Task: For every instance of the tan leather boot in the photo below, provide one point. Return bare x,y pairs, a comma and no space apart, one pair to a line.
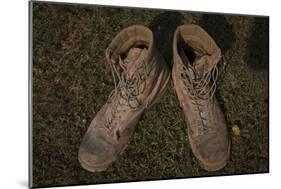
195,58
143,76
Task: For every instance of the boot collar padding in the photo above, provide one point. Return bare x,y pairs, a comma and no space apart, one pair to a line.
129,37
197,39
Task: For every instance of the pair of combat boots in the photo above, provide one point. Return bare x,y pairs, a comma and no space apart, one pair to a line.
141,77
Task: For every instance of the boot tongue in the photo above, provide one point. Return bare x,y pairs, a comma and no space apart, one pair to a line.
134,58
202,65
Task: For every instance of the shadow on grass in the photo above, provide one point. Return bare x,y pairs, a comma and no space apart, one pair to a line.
163,26
257,55
219,29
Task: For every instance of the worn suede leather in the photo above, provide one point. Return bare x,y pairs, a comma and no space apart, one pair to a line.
145,77
205,121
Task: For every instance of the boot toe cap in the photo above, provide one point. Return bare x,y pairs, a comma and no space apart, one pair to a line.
95,153
213,156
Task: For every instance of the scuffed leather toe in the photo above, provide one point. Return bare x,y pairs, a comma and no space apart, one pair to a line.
213,155
95,153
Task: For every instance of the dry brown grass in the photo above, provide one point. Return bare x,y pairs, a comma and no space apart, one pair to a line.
70,84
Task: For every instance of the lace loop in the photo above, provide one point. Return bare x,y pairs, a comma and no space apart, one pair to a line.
199,88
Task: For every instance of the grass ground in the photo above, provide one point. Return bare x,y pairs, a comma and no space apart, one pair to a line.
70,84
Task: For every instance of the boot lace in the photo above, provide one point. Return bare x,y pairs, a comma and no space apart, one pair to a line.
201,89
128,88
